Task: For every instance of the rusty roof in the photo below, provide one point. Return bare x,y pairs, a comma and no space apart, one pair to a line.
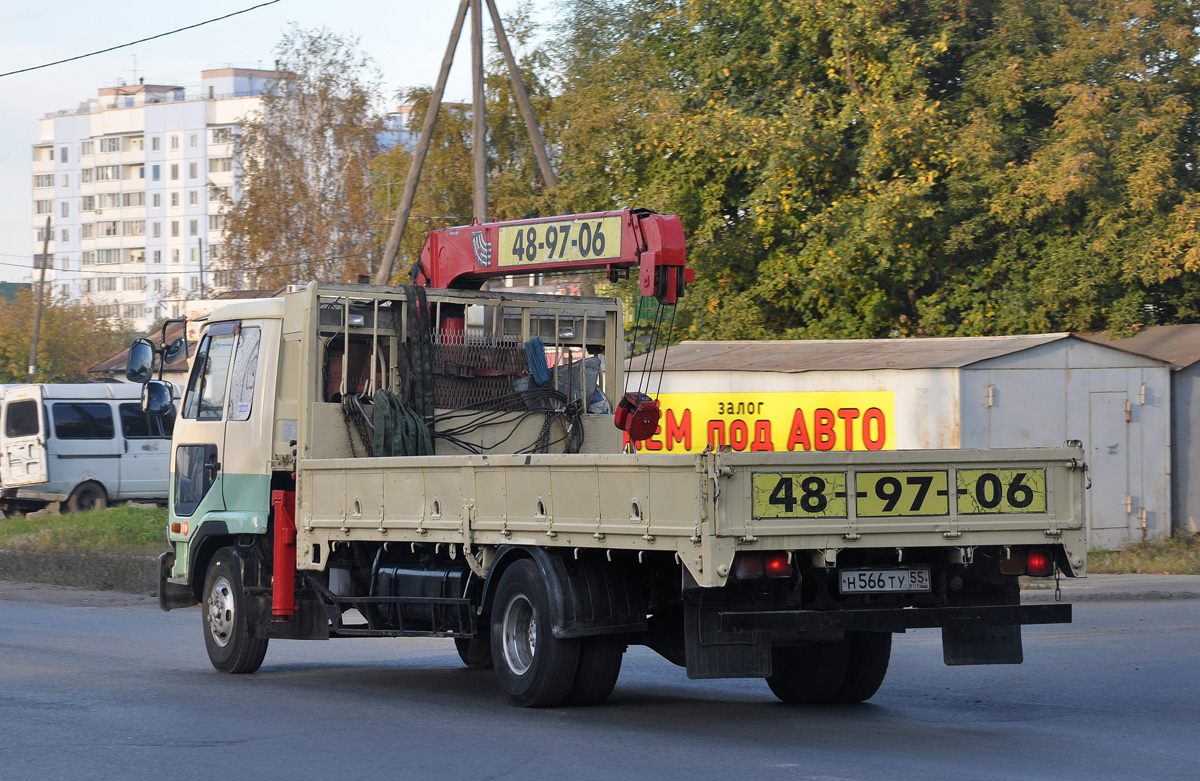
844,354
1178,345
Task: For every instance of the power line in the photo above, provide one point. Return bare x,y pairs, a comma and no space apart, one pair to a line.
133,43
98,268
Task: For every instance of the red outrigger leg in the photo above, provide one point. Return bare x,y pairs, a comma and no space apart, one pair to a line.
283,591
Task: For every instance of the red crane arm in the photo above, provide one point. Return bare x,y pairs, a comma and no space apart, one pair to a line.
466,256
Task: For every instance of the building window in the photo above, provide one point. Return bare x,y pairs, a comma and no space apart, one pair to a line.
89,203
157,285
88,230
87,148
62,155
107,228
135,283
43,207
192,140
157,201
66,209
216,222
174,171
134,199
175,285
108,173
42,233
193,283
193,227
133,228
106,284
192,170
222,135
43,180
88,259
157,229
217,165
155,144
87,176
194,254
66,181
154,173
107,256
174,256
174,142
193,198
158,256
220,193
66,236
174,199
174,228
110,145
109,200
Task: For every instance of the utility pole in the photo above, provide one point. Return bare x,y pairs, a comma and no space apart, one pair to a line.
479,127
479,112
200,255
37,314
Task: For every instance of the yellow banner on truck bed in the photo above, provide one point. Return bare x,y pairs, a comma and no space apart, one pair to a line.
832,420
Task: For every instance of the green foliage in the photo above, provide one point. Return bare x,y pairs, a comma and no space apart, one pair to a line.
72,338
121,529
866,168
1179,555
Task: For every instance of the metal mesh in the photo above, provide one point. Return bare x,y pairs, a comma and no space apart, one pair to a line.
472,373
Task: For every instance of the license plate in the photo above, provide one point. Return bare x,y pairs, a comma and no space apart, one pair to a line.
877,581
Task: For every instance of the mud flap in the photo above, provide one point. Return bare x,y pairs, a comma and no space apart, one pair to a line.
712,653
963,645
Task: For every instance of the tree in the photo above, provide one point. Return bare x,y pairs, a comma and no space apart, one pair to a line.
73,338
306,179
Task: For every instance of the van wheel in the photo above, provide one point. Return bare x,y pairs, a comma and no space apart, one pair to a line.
87,496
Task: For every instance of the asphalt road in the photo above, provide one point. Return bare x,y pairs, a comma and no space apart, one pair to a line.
105,686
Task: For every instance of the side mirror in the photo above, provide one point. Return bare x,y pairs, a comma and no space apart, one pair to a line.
141,362
156,398
174,349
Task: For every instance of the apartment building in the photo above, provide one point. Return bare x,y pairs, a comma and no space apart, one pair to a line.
131,182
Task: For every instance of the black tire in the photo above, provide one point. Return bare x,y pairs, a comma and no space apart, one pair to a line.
87,496
475,653
223,613
533,668
808,674
599,667
866,665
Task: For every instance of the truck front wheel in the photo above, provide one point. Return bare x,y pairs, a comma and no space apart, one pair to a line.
226,632
535,669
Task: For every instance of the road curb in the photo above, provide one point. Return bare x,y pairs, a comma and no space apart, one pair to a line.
94,571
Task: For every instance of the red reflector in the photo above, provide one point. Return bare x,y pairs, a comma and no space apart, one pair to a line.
777,565
1040,563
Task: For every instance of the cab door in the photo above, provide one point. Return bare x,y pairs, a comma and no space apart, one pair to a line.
24,449
196,461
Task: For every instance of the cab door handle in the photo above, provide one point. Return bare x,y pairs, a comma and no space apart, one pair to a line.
212,466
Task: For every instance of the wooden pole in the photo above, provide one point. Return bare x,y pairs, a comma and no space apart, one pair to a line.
414,172
37,314
531,123
479,113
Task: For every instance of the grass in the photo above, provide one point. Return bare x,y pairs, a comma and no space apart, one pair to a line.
121,530
142,532
1179,555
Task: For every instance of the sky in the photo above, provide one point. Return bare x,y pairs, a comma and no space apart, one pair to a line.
406,38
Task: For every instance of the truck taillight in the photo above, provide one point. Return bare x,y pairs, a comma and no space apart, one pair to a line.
776,565
1039,563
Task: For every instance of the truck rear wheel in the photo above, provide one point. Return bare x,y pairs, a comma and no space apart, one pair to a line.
809,674
87,496
475,653
866,665
534,669
599,667
226,631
